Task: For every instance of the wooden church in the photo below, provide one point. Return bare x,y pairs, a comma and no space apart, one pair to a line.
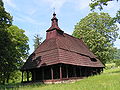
61,57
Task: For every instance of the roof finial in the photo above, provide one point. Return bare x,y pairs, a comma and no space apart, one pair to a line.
54,25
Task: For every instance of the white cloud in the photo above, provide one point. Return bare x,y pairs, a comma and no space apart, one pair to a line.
58,4
26,19
82,4
31,11
110,5
9,3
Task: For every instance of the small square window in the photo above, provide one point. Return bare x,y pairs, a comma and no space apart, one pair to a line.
93,59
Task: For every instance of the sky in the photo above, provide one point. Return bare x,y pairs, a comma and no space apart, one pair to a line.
34,16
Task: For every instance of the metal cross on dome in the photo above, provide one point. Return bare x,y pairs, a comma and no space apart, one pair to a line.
54,9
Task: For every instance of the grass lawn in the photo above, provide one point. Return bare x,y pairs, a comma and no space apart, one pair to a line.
109,80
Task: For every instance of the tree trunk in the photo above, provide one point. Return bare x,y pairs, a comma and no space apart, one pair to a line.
3,78
3,82
8,78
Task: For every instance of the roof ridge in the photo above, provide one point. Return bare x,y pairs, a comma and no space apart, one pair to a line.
72,36
76,52
46,50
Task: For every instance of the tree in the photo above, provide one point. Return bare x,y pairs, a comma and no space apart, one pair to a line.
19,41
5,22
99,32
13,46
37,41
4,54
117,54
117,58
16,52
19,47
101,3
5,18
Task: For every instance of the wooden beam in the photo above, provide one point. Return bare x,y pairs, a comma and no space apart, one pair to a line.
86,73
27,76
75,71
60,72
67,70
43,74
80,71
34,75
102,70
52,77
91,71
22,76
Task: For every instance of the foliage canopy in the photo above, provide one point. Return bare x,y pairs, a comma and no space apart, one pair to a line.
99,32
13,45
37,40
101,3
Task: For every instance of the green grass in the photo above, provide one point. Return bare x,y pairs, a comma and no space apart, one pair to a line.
109,80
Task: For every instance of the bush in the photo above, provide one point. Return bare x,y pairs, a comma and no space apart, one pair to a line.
110,65
117,62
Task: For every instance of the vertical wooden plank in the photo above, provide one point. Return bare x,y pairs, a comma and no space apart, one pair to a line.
52,77
102,70
90,71
60,72
43,73
85,72
27,76
67,70
22,76
34,75
80,71
75,71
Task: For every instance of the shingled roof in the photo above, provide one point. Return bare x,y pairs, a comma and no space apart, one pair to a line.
60,47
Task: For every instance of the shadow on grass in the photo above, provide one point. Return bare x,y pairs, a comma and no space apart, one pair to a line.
18,85
115,72
9,86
